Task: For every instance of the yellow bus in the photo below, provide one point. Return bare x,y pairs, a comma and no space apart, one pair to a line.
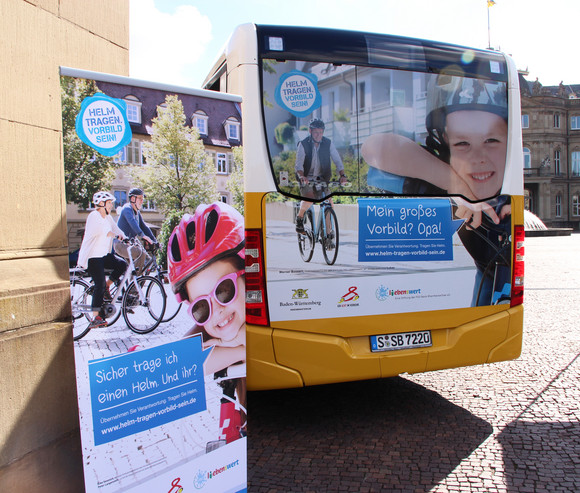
383,203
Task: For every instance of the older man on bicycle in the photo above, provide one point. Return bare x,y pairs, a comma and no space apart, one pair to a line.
313,161
132,224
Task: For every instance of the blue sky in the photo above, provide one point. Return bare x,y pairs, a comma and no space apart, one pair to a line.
177,41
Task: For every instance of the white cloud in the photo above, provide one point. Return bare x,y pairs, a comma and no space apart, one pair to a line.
163,46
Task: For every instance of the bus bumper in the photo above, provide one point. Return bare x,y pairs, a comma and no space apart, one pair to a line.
281,358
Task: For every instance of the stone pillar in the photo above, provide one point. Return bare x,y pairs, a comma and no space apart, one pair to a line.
39,439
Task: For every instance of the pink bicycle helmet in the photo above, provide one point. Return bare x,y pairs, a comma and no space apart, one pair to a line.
215,231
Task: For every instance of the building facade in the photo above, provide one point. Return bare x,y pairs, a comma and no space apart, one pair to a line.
551,140
217,120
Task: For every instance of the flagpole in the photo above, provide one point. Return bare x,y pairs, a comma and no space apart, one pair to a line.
489,4
488,30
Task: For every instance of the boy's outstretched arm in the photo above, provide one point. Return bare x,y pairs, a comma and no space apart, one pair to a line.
401,156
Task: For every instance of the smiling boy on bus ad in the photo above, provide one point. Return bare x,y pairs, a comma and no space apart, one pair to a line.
464,154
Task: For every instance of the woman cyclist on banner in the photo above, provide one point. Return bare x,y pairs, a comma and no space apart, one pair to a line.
206,262
96,255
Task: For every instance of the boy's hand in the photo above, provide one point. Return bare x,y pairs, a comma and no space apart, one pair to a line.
472,213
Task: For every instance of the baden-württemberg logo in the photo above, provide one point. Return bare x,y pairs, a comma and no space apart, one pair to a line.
300,294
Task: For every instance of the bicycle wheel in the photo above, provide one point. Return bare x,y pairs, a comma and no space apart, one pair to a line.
144,305
306,239
172,306
330,239
112,319
80,300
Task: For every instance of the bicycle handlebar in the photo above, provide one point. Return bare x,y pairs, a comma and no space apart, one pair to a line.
316,182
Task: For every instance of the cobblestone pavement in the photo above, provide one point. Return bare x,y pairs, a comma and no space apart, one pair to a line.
507,427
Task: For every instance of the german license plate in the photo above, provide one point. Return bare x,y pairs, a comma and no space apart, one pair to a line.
402,340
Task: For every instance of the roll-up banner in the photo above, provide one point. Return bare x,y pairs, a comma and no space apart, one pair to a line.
156,241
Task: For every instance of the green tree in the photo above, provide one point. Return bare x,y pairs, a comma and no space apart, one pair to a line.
176,176
85,170
171,220
235,183
284,133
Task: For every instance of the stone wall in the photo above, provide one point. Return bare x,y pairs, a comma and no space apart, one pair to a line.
39,441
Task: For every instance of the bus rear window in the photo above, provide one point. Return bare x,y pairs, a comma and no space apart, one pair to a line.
365,130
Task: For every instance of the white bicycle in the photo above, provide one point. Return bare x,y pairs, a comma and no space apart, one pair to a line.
141,300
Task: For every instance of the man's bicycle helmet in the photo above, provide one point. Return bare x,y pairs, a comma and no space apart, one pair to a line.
135,191
316,123
102,196
212,233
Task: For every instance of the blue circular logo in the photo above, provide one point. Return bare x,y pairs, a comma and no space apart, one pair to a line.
102,124
298,93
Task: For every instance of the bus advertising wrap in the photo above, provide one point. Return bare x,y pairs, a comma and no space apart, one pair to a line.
157,286
392,185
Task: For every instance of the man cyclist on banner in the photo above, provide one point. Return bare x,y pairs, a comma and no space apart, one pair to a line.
132,224
313,157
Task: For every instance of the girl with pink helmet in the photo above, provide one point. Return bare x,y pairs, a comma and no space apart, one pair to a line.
206,269
206,263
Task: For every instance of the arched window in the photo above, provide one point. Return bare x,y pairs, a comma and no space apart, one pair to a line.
232,127
576,204
557,162
525,121
133,109
200,121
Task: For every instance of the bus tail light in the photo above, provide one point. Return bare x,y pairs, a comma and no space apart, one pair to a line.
518,272
256,307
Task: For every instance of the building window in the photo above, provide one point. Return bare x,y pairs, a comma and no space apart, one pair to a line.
224,198
575,122
331,105
148,205
121,156
575,171
200,121
558,205
576,205
361,96
133,153
232,127
525,121
222,164
557,120
133,109
120,197
557,170
527,160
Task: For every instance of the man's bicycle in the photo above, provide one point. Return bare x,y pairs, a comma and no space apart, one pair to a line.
323,229
141,300
151,268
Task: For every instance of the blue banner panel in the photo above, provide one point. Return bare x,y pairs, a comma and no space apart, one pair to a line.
401,229
140,390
